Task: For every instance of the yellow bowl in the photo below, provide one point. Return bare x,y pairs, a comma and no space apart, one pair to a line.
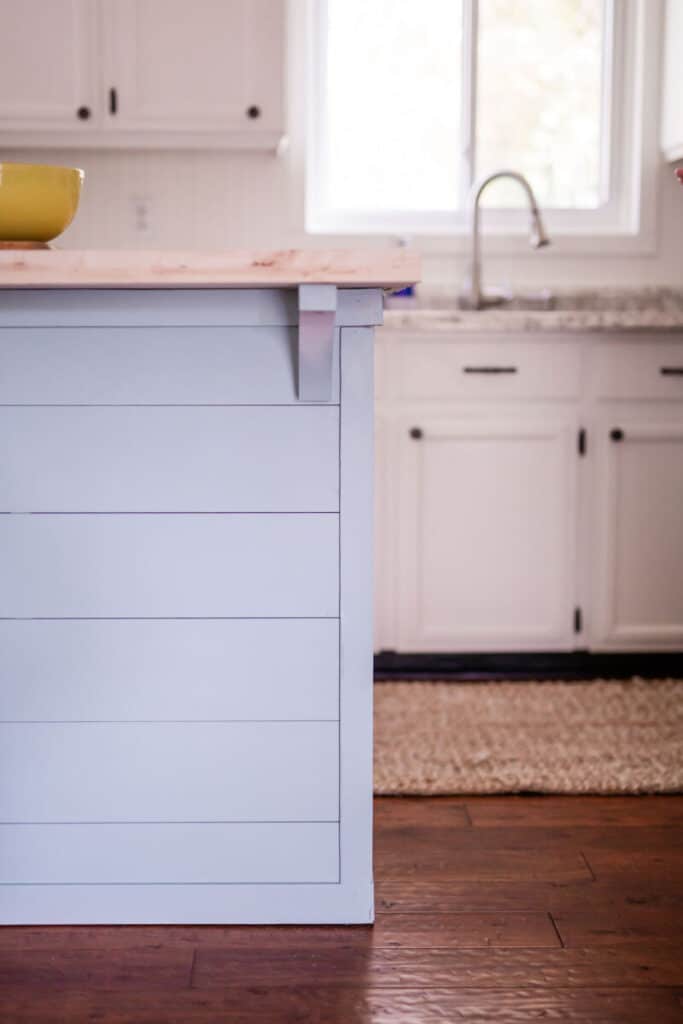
37,202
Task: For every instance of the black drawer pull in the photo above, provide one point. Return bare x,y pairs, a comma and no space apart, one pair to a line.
671,371
617,434
416,433
489,369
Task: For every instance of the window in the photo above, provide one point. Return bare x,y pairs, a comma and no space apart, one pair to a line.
412,102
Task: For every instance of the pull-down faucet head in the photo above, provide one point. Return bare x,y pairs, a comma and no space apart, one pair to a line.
537,236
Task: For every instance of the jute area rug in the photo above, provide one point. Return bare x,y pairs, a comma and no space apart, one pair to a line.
602,736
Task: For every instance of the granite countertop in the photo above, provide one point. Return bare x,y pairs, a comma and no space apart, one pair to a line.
230,268
651,309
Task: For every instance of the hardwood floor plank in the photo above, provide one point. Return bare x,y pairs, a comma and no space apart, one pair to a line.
315,1005
620,925
412,931
630,966
119,969
553,811
628,864
435,897
508,930
476,855
399,811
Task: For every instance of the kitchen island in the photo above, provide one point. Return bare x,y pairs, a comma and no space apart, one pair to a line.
186,593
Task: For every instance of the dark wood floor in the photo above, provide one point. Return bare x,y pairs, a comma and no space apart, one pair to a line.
488,910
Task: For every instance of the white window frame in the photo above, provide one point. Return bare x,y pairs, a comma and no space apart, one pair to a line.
624,221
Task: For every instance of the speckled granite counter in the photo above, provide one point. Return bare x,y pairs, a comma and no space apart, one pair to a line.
649,309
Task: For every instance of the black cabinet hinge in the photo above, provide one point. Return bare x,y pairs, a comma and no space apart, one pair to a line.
582,441
578,620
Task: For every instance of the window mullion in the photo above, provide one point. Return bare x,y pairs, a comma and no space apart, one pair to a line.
468,114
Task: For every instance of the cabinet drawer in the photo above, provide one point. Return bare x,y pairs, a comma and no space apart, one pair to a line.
57,670
638,369
431,368
171,365
168,771
237,459
169,566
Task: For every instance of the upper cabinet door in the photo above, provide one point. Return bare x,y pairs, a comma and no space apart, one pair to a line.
639,563
47,61
672,108
210,66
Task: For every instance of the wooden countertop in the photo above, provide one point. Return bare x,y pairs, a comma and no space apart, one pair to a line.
233,268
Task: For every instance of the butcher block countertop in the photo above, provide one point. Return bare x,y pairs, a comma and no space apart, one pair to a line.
235,268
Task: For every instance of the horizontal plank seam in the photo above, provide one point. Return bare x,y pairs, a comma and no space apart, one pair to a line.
169,721
297,406
182,512
189,821
169,618
62,885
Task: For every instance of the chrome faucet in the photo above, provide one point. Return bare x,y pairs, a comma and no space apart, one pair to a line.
474,296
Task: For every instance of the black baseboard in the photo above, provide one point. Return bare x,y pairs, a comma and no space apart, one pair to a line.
521,665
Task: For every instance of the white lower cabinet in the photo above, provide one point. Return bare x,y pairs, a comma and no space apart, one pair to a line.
530,492
486,540
639,510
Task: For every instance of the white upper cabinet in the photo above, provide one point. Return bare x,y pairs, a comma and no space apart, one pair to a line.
47,67
142,73
206,66
672,108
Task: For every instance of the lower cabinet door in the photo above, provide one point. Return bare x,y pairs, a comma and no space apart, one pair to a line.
638,564
486,534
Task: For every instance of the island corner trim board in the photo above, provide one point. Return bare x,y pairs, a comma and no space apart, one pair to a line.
165,589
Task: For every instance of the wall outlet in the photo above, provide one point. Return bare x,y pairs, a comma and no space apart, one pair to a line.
141,209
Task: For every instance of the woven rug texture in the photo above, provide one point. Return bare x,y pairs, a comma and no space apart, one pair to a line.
601,736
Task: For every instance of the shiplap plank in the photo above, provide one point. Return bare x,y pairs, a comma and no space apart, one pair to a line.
168,771
237,459
149,566
169,854
149,365
133,670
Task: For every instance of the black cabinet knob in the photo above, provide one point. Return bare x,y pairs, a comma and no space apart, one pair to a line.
617,434
416,433
83,113
253,112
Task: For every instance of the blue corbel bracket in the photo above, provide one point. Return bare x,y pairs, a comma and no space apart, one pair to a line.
317,315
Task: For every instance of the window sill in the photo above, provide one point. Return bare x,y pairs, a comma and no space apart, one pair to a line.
562,244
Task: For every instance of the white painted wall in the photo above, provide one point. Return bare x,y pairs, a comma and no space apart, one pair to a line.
222,200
